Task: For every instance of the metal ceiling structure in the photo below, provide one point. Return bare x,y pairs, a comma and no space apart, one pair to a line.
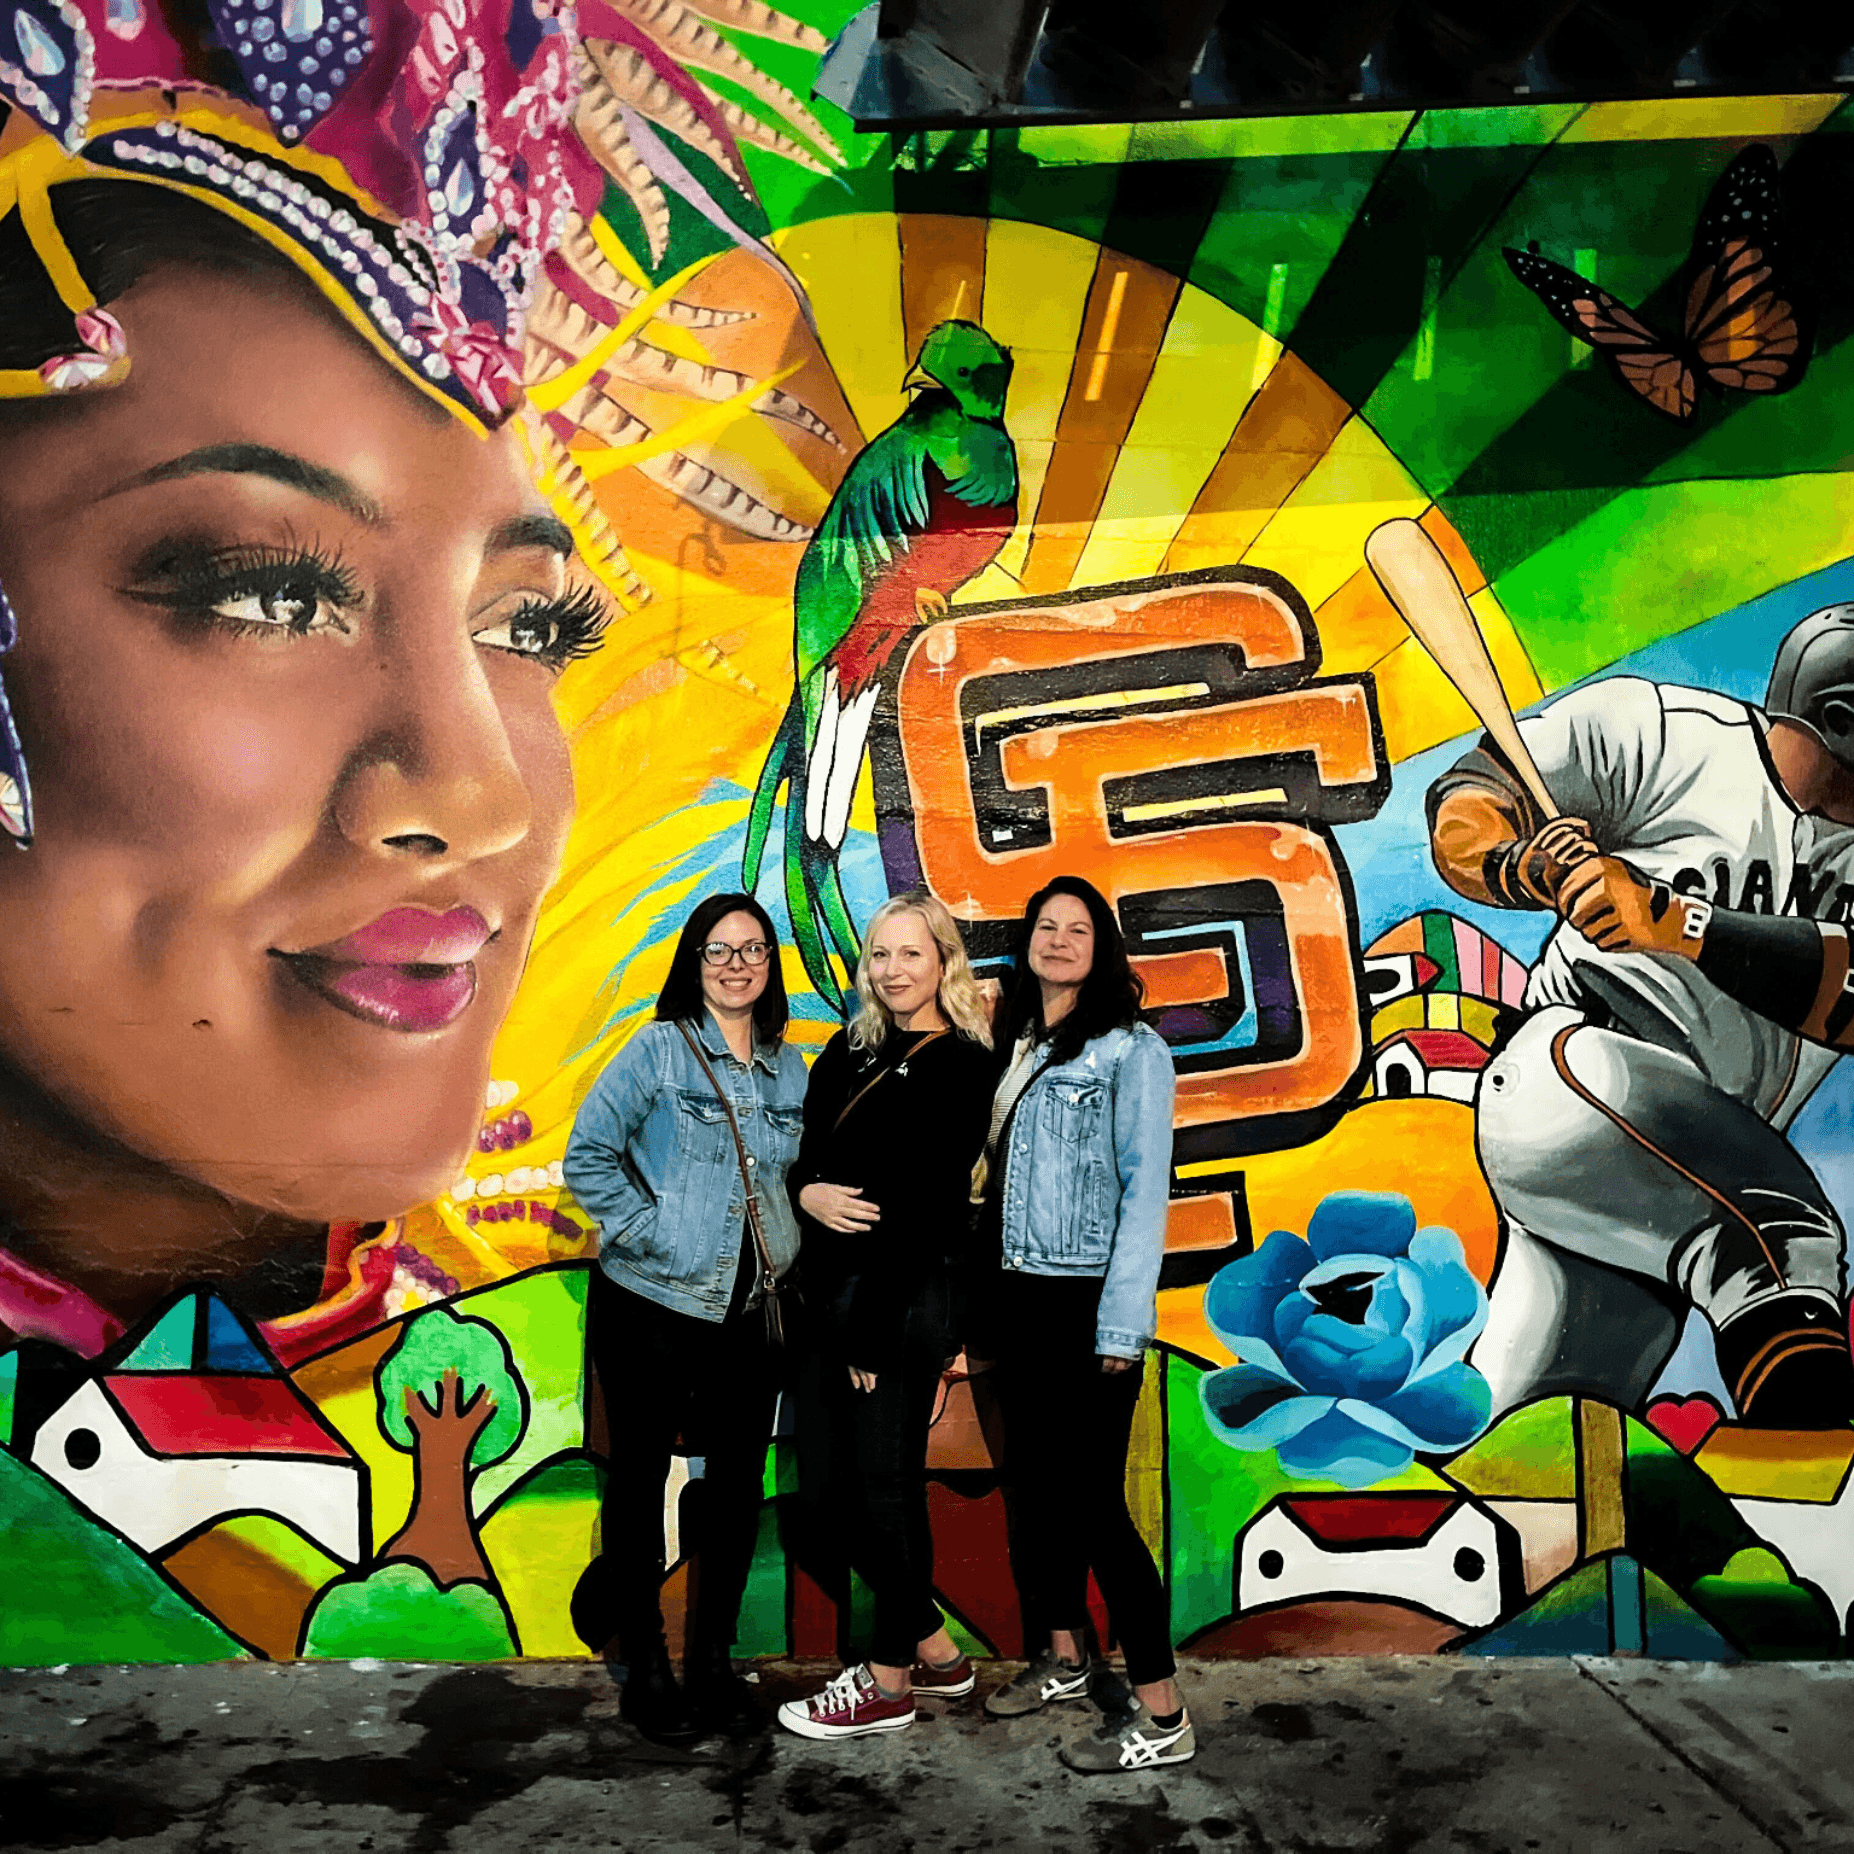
920,62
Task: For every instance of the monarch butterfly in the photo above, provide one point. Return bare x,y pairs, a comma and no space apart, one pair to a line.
1740,325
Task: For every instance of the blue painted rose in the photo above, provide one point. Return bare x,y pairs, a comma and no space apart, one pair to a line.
1352,1341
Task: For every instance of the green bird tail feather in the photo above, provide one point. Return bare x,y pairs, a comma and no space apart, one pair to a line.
837,915
825,882
766,793
811,936
814,897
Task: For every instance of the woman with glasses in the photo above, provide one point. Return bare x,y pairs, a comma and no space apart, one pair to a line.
680,1154
894,1118
1079,1174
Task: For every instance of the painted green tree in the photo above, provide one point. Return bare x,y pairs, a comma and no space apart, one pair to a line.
452,1397
451,1394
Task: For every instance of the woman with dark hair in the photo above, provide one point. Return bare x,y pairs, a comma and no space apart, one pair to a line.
1078,1178
680,1154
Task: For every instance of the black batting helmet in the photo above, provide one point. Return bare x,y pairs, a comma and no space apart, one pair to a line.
1812,680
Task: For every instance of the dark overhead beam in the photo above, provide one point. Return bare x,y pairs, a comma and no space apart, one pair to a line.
911,63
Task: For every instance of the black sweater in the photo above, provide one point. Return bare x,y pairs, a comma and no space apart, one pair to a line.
909,1146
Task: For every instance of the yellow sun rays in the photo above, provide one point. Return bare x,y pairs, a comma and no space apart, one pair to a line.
1156,430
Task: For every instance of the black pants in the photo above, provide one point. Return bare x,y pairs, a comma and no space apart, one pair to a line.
863,1478
1067,1424
716,1384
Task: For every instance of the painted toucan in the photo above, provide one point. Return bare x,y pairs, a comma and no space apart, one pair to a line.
925,507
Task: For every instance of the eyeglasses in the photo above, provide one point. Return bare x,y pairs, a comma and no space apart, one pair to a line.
721,953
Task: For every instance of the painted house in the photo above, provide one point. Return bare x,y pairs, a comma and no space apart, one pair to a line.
1447,1556
193,1424
1447,1063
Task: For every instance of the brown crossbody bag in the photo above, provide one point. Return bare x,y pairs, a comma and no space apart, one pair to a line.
772,1289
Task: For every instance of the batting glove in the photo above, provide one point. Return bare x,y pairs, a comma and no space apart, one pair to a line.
1531,874
1617,908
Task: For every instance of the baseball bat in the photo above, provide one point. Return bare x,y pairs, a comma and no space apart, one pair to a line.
1422,585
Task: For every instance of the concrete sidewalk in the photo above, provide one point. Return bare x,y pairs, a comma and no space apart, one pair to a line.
1398,1755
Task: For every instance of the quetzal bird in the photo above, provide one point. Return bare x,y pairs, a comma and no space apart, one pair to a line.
923,508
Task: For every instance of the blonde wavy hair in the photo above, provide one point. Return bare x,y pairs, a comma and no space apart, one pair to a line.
960,998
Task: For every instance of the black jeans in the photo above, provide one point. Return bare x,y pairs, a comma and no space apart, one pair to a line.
716,1384
1067,1424
863,1480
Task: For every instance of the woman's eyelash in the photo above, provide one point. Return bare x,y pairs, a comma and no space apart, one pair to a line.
196,579
573,625
193,579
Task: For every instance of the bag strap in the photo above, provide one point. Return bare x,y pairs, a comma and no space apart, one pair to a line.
769,1273
987,1161
933,1036
1036,1075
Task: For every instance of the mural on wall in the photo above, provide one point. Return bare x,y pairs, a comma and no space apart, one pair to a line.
840,512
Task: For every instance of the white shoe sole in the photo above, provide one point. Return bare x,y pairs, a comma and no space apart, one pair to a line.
1116,1770
793,1717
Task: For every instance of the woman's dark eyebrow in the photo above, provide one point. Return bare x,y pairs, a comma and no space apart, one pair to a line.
258,460
535,529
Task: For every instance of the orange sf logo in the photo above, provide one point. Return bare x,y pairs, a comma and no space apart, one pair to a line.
1172,741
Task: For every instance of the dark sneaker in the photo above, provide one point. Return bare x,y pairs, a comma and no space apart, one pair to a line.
850,1707
1130,1741
650,1701
1042,1683
953,1681
717,1697
1108,1690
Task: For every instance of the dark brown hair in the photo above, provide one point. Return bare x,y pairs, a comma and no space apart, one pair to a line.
118,232
681,998
1110,995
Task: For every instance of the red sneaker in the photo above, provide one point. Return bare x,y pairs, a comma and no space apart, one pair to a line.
954,1680
850,1707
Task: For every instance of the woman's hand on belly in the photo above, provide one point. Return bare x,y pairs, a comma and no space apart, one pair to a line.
839,1208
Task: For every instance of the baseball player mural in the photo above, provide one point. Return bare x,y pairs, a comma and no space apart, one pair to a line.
1699,852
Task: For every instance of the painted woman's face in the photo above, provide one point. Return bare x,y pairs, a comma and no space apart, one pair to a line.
288,635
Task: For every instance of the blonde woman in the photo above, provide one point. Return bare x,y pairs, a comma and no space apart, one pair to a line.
895,1115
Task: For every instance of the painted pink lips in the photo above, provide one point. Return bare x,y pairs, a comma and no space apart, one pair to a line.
410,970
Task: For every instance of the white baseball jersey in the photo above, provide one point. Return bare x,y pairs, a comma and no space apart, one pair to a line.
1679,783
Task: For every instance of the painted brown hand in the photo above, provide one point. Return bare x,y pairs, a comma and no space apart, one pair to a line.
1617,908
1491,846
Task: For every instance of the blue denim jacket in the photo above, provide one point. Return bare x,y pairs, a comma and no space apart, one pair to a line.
652,1161
1088,1176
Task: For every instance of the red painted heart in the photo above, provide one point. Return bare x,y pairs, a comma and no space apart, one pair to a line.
1686,1422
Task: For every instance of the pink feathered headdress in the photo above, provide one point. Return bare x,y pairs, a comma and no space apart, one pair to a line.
418,160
